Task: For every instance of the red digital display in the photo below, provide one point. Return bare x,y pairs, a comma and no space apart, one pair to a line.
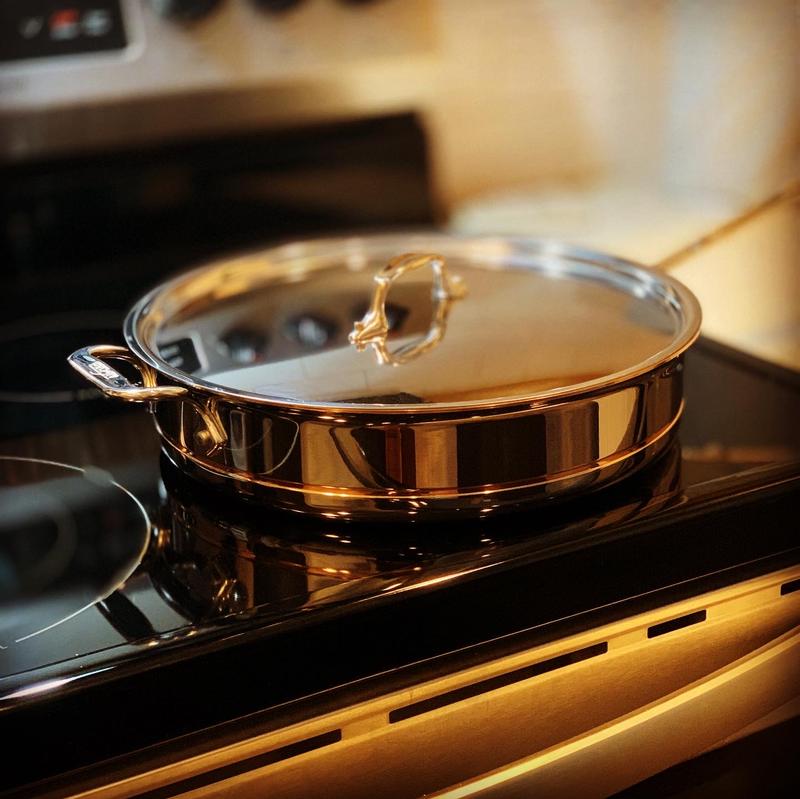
67,16
65,24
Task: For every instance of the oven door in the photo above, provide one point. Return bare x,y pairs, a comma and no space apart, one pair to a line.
587,715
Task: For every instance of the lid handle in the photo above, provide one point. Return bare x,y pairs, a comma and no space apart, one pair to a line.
373,328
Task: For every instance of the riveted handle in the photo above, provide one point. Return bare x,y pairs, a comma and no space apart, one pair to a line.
89,363
373,328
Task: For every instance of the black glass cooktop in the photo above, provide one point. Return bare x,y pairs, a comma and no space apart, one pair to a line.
125,587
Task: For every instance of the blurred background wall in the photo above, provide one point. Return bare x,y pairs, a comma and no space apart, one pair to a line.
634,128
686,94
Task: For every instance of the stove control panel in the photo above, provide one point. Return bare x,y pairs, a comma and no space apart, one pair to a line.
35,29
83,75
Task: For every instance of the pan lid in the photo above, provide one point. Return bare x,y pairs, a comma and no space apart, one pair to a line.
401,323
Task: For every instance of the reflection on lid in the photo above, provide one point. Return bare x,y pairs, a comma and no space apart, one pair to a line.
529,324
543,339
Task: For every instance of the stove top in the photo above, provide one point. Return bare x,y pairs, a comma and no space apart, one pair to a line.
124,585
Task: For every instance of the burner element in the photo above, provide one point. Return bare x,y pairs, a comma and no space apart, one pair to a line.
68,538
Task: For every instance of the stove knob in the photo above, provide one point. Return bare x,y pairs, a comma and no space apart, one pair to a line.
184,10
276,5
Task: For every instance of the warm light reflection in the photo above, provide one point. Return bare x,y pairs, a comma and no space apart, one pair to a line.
438,580
50,685
356,261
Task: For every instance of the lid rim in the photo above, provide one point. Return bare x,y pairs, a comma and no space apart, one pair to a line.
684,301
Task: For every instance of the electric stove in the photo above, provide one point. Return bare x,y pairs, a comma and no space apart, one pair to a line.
158,638
147,618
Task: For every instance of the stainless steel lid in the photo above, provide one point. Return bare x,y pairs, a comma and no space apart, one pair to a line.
413,322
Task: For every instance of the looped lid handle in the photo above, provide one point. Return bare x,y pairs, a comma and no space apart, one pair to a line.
373,327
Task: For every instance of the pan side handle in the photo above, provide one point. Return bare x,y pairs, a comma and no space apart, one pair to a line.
90,364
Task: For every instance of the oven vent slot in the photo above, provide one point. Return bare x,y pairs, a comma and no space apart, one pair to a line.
664,627
790,587
242,766
493,683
